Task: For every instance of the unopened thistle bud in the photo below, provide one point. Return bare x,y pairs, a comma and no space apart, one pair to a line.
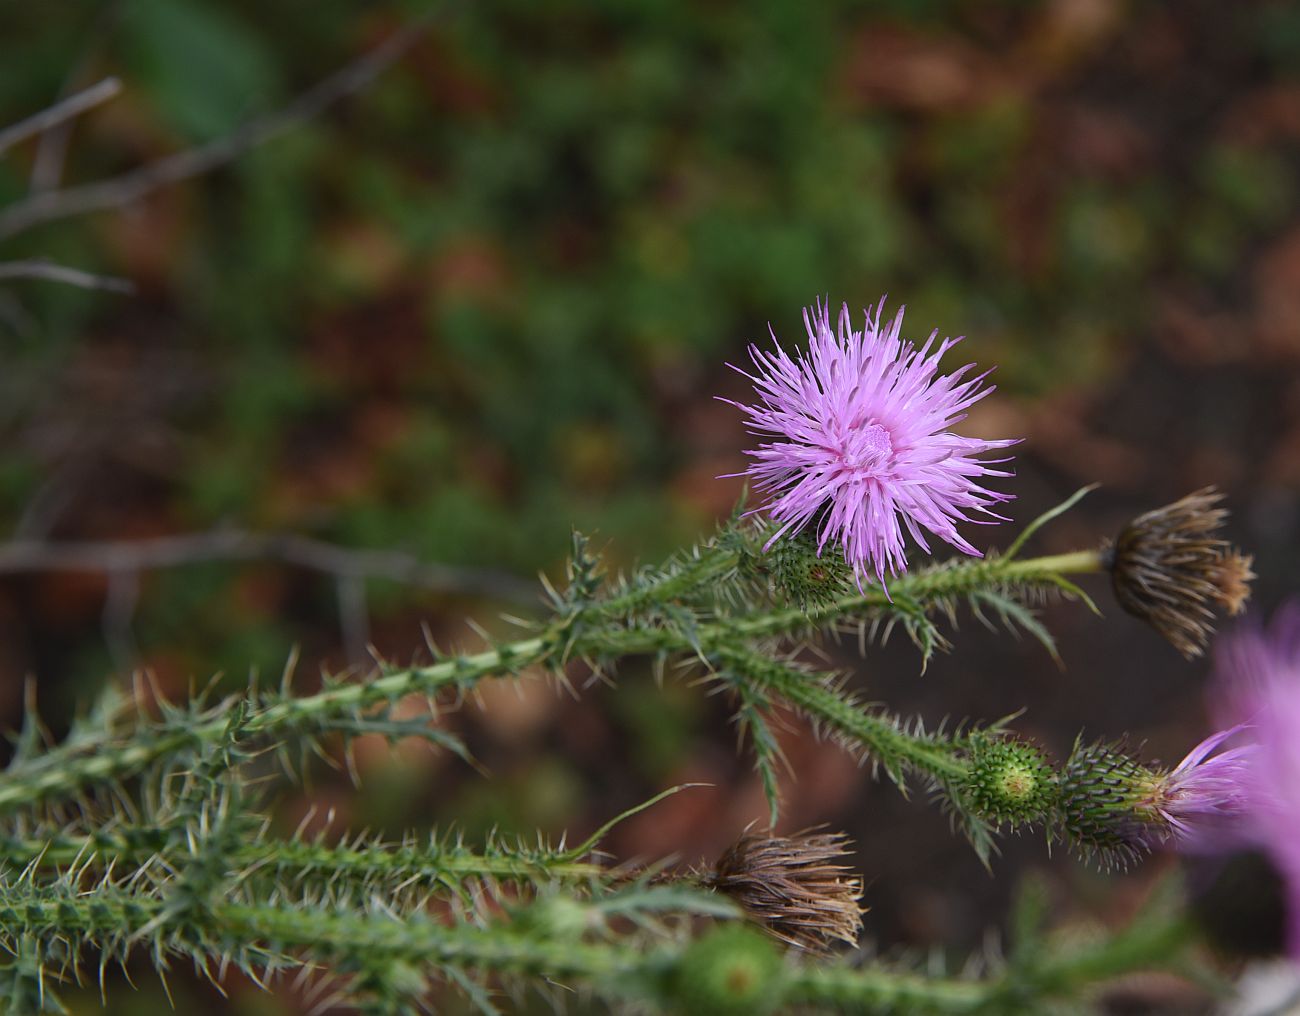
807,577
792,886
1170,568
1010,781
1104,798
730,970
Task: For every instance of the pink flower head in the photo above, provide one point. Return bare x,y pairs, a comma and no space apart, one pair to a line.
1259,679
1204,800
861,443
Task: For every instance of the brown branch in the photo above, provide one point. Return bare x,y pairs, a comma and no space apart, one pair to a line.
52,145
135,184
44,268
72,106
344,563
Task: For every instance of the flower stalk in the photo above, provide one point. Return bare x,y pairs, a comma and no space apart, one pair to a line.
109,754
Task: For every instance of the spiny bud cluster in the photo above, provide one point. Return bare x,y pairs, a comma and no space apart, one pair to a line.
1171,569
1107,803
805,577
1010,781
792,886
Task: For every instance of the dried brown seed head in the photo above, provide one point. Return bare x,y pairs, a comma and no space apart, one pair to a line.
1234,581
792,886
1171,569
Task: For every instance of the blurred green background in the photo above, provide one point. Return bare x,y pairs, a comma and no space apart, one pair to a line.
491,296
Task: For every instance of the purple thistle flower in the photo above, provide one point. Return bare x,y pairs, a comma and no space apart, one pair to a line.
862,448
1206,796
1259,678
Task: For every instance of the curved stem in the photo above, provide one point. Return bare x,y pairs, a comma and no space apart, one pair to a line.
879,735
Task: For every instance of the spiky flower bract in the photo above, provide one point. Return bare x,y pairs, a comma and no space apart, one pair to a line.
805,575
793,887
1103,802
861,448
1171,568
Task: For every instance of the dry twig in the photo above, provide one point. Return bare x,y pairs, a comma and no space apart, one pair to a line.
74,105
126,188
123,561
44,268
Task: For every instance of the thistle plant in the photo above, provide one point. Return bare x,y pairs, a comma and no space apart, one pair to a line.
150,833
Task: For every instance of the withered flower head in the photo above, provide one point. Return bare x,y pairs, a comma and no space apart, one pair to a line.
1171,569
791,886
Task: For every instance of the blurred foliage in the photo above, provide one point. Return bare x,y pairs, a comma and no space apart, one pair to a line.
490,297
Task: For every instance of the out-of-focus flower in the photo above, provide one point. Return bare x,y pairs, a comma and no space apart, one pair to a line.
861,448
1259,681
792,886
1265,989
1171,569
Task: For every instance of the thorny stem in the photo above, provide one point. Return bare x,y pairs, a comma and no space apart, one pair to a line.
878,735
221,929
122,915
428,864
711,564
867,990
927,583
64,771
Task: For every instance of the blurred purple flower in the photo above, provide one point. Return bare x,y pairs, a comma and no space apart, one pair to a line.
1259,680
862,448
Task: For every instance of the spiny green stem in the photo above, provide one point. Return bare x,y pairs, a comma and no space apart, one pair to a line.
66,769
923,585
429,864
879,735
221,924
867,990
1020,988
114,919
711,564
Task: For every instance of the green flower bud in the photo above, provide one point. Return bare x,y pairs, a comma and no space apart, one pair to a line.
1009,782
560,917
733,970
1107,804
805,578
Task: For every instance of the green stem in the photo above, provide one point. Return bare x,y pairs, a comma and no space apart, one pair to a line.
428,865
1076,562
925,584
712,563
883,739
364,937
281,933
65,769
866,990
